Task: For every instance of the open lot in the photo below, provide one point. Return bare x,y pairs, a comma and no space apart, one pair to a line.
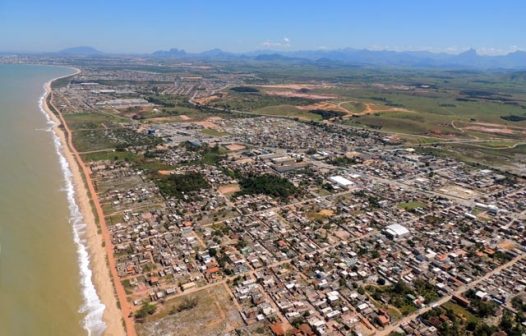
213,314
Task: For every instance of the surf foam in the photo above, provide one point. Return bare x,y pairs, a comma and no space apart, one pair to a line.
92,307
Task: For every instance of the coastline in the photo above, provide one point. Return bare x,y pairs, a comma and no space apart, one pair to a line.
96,275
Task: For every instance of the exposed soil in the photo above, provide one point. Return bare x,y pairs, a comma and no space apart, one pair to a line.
228,188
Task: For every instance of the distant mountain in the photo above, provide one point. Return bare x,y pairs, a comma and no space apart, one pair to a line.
216,53
172,53
81,51
350,56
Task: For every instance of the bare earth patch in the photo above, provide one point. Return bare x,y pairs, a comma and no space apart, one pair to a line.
369,108
214,314
235,147
326,213
507,245
323,106
492,130
165,172
296,94
206,100
458,191
209,122
229,188
297,86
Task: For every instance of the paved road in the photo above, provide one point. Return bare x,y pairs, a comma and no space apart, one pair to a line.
446,298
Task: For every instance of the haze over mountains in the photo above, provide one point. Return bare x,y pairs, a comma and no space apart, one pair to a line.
348,56
469,58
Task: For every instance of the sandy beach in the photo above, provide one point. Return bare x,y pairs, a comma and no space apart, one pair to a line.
102,263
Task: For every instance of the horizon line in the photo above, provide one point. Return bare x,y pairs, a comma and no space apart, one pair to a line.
448,51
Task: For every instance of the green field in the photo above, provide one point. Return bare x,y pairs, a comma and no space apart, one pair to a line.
431,99
288,111
356,107
255,101
213,132
460,311
92,120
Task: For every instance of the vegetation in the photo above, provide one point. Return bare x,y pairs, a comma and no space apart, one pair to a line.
178,185
119,138
213,132
254,101
328,114
188,304
288,111
146,309
343,161
426,290
412,205
451,320
519,303
213,155
400,295
244,89
480,307
267,184
513,118
61,82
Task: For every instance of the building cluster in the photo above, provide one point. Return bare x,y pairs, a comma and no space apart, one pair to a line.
374,233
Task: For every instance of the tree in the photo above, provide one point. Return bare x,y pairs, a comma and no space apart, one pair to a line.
212,252
146,309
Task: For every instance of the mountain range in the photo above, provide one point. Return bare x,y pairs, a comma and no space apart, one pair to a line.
348,56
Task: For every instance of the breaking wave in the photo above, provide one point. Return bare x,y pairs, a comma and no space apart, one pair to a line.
92,307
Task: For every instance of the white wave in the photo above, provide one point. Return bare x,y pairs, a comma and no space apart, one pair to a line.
92,307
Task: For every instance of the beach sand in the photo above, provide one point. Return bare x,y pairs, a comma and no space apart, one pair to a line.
98,244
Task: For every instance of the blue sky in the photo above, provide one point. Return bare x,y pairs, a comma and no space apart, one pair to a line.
144,26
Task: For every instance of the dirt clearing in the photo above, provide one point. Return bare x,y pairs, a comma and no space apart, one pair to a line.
235,147
228,188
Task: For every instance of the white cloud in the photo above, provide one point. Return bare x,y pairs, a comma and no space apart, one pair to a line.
283,43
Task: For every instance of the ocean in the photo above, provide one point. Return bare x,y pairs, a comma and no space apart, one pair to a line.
45,281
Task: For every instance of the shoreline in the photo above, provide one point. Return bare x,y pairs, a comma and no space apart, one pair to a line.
93,248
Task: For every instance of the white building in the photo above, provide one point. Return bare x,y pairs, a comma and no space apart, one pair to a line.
340,181
396,231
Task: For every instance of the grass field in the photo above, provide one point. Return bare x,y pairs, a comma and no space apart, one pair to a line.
420,102
213,132
92,120
149,165
460,311
508,159
253,102
288,111
356,107
111,155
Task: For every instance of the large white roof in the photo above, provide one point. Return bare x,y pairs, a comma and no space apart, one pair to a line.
340,180
397,230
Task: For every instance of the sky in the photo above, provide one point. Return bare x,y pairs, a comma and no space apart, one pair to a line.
133,26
